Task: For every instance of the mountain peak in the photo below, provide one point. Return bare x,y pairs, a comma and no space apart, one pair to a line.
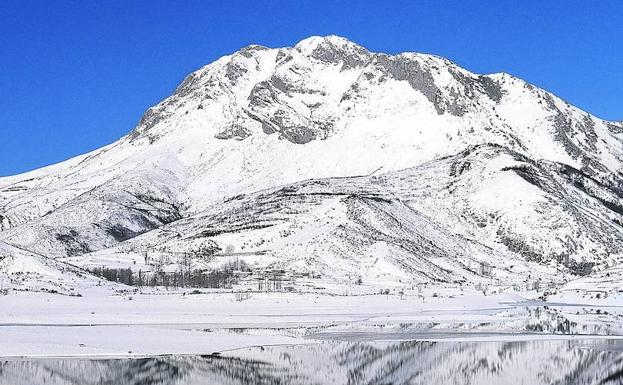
314,41
331,42
334,49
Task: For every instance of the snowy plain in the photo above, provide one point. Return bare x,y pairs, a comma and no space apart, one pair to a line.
177,322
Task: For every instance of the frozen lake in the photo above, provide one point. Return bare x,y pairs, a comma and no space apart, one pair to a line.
574,361
289,338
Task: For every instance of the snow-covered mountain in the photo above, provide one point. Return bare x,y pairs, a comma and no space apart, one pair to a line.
345,228
494,170
24,271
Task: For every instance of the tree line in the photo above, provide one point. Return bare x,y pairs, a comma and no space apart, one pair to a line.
221,278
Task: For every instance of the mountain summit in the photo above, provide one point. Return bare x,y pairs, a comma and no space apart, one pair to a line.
416,163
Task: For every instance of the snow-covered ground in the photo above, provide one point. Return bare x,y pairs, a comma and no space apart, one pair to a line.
177,322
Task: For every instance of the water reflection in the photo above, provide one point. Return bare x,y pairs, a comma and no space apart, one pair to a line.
413,362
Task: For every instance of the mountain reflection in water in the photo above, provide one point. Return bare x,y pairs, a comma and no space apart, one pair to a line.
412,362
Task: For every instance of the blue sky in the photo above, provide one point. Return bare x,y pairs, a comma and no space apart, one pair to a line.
76,75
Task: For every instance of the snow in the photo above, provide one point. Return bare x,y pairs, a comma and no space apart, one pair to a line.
120,341
22,270
396,170
387,124
38,325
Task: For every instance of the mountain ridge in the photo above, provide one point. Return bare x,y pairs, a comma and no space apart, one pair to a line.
262,118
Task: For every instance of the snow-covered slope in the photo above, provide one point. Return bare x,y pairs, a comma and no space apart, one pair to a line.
25,271
442,221
114,211
344,228
546,212
262,118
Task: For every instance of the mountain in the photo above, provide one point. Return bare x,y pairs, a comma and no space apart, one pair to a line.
345,228
24,271
395,167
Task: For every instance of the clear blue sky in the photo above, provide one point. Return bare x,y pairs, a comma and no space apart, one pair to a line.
76,75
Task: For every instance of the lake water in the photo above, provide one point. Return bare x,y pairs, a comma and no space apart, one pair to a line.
346,362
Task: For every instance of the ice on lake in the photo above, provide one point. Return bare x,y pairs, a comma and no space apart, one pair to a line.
346,362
